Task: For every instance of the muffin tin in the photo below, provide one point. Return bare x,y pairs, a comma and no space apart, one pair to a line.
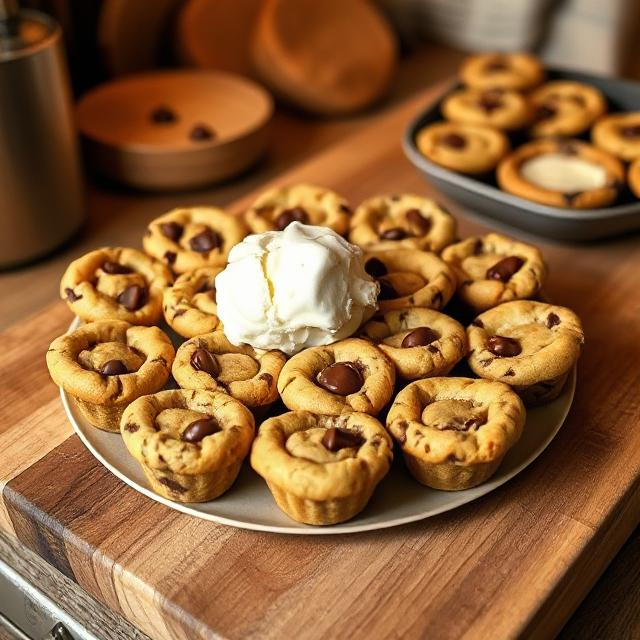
484,197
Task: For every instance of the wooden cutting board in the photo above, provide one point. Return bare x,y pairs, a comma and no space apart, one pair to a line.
516,562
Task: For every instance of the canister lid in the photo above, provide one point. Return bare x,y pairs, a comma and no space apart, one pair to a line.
23,33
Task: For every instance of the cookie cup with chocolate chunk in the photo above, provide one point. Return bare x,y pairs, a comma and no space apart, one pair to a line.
531,346
190,444
421,343
116,283
454,432
493,268
322,469
189,306
212,363
410,278
349,375
106,365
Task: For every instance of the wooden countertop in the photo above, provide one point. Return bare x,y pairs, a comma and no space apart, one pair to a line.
517,561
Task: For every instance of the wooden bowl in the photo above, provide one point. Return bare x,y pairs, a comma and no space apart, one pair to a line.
171,130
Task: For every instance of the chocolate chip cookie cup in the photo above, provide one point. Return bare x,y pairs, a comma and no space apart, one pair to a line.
106,365
192,238
189,306
562,173
421,343
454,432
350,375
492,269
618,134
275,209
402,222
212,363
564,108
498,108
116,284
517,71
531,346
465,148
410,278
190,444
322,469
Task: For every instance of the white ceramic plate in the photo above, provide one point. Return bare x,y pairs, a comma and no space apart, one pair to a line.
398,499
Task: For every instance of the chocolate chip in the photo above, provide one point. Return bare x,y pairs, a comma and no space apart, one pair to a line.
200,429
630,131
432,349
206,286
569,197
336,439
172,230
453,140
577,99
395,233
401,427
498,64
552,320
133,297
201,133
387,292
131,427
478,246
567,148
71,295
163,115
267,377
489,102
420,337
202,360
505,269
343,378
503,347
415,217
508,373
345,208
113,368
205,241
110,267
170,257
295,214
375,268
544,112
172,485
478,323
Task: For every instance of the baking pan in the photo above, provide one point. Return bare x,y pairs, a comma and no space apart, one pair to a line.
485,198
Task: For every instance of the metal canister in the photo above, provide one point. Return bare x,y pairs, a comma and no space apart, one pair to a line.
41,195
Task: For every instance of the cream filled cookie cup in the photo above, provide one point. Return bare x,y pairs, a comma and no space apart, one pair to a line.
322,469
531,346
116,283
454,432
190,444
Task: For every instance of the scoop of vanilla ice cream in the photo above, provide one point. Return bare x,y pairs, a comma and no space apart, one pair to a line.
301,287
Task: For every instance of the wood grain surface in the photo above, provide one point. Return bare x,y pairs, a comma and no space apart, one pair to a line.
516,562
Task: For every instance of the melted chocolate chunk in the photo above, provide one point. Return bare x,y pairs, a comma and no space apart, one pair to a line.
342,378
113,368
417,220
375,268
387,292
170,257
133,297
544,112
172,230
71,295
336,439
505,269
503,347
420,337
490,101
110,267
345,208
205,241
454,141
552,320
202,360
395,233
200,429
478,246
295,214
